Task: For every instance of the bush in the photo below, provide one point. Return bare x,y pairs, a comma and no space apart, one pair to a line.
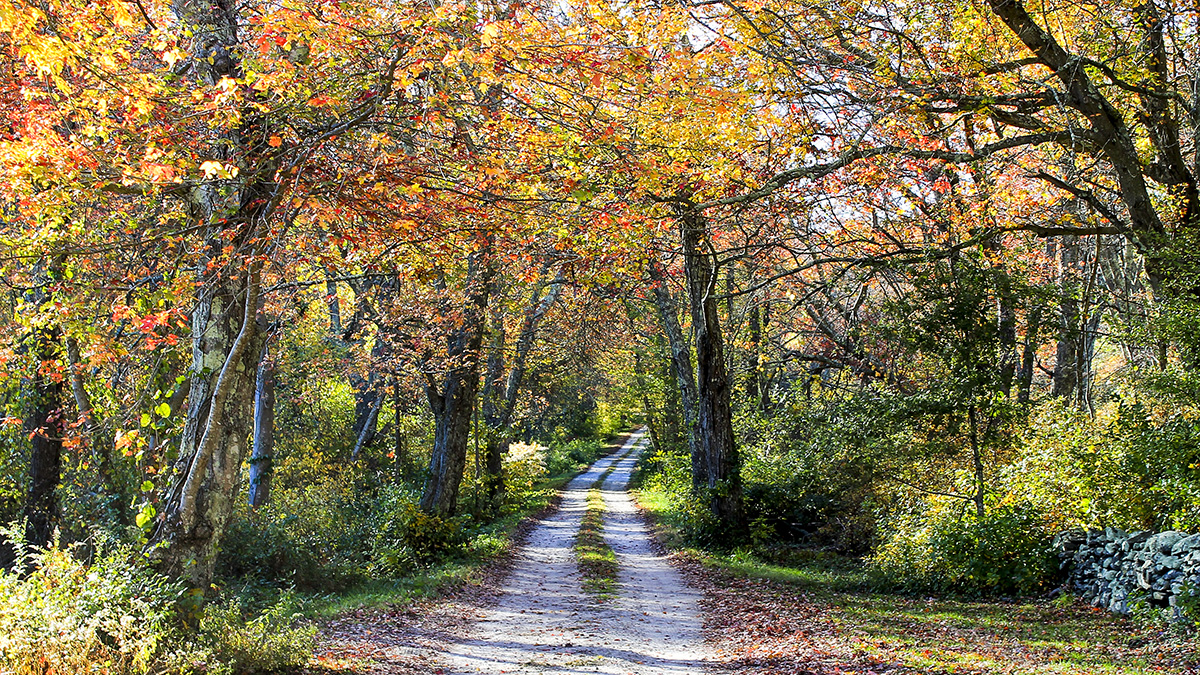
234,640
573,455
315,532
116,616
1134,466
407,537
669,476
949,549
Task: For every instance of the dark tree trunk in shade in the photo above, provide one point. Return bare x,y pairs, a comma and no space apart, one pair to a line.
453,399
714,418
755,382
368,400
45,427
1066,377
1029,355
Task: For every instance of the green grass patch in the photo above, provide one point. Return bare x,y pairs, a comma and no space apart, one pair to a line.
597,561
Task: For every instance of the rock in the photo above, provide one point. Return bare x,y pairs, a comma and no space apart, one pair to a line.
1113,570
1170,562
1185,545
1070,540
1136,538
1164,541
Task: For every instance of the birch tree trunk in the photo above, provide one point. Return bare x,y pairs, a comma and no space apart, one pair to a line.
225,340
262,455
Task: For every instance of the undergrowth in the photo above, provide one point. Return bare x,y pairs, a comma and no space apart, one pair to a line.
117,616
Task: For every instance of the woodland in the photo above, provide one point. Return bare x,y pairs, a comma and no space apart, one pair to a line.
308,304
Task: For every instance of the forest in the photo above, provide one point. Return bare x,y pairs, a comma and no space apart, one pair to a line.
867,333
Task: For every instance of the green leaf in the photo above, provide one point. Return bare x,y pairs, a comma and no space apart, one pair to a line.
163,410
145,516
145,419
147,486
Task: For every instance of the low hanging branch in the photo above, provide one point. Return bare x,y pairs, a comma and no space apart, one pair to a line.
191,486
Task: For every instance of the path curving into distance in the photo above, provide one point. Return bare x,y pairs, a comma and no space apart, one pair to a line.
545,623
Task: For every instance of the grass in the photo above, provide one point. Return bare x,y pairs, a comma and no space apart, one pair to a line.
785,611
597,561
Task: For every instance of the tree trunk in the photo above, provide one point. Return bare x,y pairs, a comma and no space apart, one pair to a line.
335,309
685,377
454,405
1066,377
45,427
977,464
1029,356
714,419
368,400
219,422
501,392
262,456
754,382
99,444
225,337
493,409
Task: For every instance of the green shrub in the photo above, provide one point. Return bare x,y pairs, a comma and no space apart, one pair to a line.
315,531
406,537
67,617
236,641
1134,466
573,455
118,617
949,548
669,474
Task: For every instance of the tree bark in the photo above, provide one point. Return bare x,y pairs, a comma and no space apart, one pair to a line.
45,427
219,422
1066,377
453,403
681,365
501,391
100,445
262,455
1029,356
714,418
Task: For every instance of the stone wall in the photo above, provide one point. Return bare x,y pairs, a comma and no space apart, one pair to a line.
1111,569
